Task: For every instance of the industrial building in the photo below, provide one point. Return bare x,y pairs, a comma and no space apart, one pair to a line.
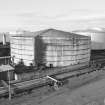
6,72
50,47
97,37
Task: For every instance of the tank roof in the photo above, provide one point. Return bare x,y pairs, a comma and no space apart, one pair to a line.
59,33
51,33
29,34
91,31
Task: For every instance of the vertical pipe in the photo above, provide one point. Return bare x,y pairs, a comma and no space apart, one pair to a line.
34,63
5,60
9,85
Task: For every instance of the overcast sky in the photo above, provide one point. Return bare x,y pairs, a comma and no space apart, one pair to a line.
61,14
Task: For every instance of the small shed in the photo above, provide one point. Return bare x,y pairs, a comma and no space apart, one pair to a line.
6,71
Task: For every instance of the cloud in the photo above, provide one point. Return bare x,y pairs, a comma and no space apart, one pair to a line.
74,19
75,14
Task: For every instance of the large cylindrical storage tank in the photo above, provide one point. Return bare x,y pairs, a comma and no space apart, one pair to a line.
50,47
97,37
59,48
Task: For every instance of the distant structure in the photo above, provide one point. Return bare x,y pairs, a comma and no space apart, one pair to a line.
50,47
4,39
97,37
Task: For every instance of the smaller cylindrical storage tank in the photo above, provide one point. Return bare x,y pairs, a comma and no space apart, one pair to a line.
97,37
58,48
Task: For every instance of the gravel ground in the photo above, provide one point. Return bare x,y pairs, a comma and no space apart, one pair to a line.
84,90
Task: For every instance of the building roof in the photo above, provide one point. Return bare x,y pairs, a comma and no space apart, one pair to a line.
6,68
51,33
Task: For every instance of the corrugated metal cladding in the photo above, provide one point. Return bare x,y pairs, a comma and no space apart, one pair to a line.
51,46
